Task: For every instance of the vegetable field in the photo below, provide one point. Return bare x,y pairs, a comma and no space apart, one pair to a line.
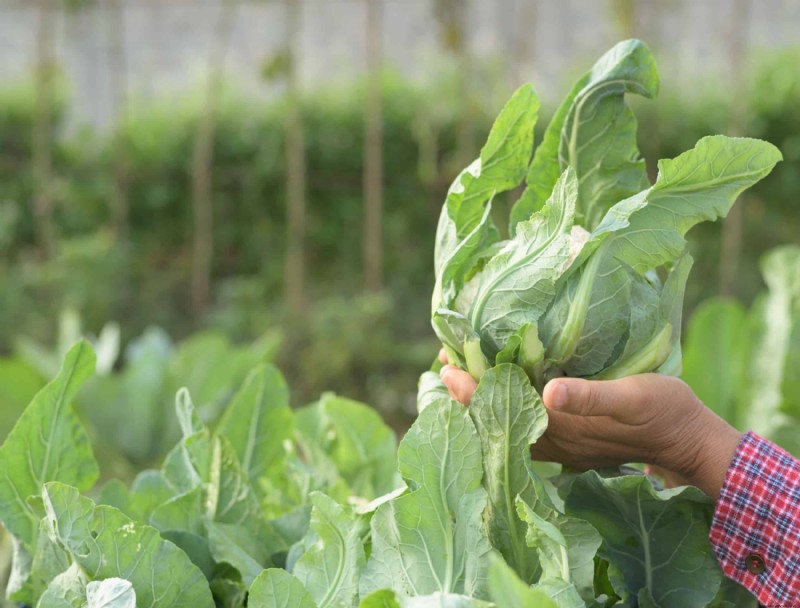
218,493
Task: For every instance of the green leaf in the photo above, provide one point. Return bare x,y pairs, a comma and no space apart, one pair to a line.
137,390
699,185
31,575
107,544
212,368
245,547
276,588
228,593
332,562
566,546
19,382
431,539
210,463
733,595
183,512
657,539
67,590
465,227
355,440
561,593
714,355
518,283
384,598
430,389
506,588
769,393
509,416
48,443
258,421
110,593
594,132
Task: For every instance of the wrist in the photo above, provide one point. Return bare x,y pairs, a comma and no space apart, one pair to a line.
708,452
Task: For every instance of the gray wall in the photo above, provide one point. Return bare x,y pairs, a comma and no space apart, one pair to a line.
168,41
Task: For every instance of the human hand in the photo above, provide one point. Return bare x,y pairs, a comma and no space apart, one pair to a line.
647,418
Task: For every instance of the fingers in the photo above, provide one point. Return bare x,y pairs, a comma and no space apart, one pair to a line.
443,356
459,383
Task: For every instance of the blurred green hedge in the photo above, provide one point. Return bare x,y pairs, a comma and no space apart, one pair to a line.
369,347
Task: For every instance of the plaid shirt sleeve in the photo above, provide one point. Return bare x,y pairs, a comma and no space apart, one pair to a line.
756,527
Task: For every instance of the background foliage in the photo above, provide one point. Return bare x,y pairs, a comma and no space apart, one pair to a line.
367,345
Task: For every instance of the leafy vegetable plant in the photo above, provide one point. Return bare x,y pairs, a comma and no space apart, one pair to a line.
320,508
590,281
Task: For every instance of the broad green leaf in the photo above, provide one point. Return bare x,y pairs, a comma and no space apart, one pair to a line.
594,132
518,283
699,185
509,416
589,318
67,590
137,390
566,546
443,600
732,595
332,562
768,392
213,369
183,512
258,421
110,593
714,355
385,598
48,443
195,547
464,226
276,588
654,344
657,539
355,439
228,593
107,544
148,491
561,593
431,539
19,382
506,588
32,575
245,547
210,462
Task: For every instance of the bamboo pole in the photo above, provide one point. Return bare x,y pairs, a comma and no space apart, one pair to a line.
203,161
42,136
294,279
118,75
732,227
372,237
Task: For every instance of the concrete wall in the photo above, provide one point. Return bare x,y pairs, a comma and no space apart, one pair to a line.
167,41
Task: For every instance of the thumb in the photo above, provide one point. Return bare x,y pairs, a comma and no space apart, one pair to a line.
589,397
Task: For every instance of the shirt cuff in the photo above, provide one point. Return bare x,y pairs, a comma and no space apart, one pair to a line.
755,531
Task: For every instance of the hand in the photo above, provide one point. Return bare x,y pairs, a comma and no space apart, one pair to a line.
648,418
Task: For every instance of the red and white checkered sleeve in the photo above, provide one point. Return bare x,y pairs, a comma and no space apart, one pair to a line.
756,527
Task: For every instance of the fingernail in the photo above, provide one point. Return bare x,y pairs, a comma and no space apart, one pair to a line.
444,371
560,396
